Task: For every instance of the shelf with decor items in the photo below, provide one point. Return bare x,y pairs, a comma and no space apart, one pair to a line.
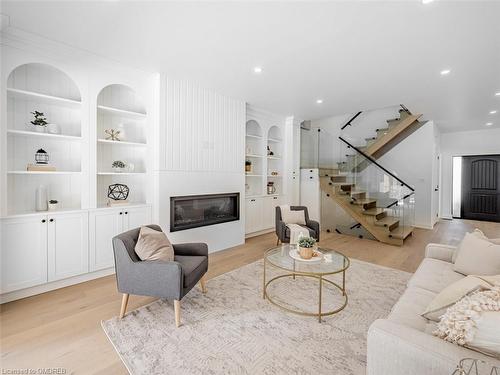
44,140
121,143
264,184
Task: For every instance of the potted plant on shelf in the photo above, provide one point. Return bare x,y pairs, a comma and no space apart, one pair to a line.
248,166
53,205
118,166
306,247
39,121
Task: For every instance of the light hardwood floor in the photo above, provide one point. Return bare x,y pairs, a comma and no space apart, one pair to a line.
62,328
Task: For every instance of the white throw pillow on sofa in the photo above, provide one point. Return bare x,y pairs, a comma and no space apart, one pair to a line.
479,234
477,256
455,292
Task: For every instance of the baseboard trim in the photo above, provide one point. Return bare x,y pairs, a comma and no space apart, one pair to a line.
28,292
254,234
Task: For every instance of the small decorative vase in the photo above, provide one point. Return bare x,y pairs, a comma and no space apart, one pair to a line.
41,199
53,129
306,252
53,206
248,168
130,167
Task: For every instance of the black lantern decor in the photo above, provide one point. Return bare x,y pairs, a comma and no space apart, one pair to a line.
41,157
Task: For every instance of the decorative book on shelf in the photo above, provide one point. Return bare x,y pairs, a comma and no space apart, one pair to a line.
41,168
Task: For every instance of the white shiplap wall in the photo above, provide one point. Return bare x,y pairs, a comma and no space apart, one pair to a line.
202,130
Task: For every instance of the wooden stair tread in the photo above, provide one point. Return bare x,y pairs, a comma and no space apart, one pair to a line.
401,232
364,201
373,211
390,222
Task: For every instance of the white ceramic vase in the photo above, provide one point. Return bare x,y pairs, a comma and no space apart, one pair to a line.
53,129
41,199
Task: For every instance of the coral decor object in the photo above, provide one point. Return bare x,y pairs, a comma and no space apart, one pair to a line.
112,134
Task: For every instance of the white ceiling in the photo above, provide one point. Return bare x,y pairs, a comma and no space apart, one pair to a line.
353,55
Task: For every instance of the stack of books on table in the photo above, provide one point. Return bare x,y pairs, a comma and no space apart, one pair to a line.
40,168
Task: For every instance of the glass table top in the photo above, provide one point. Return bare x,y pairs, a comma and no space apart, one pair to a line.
280,257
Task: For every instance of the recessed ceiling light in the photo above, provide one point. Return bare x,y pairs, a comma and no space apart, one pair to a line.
488,124
257,69
493,112
445,72
319,101
427,1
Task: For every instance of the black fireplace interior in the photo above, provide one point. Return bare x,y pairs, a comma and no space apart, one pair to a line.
192,211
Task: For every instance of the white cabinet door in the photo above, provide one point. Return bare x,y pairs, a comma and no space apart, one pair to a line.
68,250
269,209
103,226
136,217
253,215
23,252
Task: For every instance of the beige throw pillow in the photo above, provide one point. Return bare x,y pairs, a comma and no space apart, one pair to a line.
477,256
292,217
455,292
154,245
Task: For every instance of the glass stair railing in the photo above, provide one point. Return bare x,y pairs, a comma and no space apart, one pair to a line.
377,204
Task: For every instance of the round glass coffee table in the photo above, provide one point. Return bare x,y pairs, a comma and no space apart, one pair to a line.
331,263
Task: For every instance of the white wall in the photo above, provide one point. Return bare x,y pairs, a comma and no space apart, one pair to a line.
201,151
478,142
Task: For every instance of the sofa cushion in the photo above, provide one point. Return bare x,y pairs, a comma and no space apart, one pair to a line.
193,268
477,256
434,275
407,311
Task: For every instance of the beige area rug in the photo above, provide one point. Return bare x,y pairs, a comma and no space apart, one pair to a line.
232,330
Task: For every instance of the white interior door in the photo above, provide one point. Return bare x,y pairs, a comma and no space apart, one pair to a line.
103,226
23,252
68,250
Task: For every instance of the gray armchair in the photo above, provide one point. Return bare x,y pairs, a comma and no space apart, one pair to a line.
283,232
169,280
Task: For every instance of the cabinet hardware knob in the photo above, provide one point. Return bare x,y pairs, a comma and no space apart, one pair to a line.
121,213
126,213
311,178
43,220
51,220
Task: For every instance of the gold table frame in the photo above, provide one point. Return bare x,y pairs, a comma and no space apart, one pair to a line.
317,275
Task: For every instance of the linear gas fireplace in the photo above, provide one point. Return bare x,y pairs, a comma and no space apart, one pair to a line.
192,211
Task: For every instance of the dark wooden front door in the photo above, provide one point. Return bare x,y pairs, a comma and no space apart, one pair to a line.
481,187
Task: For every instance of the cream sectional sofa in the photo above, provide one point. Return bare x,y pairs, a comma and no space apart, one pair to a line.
403,343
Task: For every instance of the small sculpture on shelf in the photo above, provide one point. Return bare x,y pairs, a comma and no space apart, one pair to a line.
118,194
39,121
248,166
269,152
112,134
271,189
41,157
118,166
41,162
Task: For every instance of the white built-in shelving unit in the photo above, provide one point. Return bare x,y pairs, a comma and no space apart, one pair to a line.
119,108
264,134
46,89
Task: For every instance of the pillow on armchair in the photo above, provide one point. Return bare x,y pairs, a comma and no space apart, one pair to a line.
154,245
289,216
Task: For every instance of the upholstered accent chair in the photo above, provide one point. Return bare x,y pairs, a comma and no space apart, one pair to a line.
169,280
283,233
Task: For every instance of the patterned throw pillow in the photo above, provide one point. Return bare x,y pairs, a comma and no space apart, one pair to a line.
474,322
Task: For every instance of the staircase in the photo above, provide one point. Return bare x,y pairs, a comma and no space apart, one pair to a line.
374,197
